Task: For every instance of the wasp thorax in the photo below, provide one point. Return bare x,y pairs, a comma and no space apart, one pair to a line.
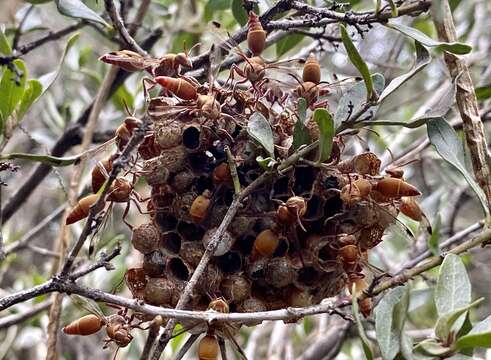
292,211
351,194
224,244
158,291
209,106
364,164
120,190
309,91
145,238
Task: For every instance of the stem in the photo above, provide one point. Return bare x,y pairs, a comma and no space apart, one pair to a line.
466,101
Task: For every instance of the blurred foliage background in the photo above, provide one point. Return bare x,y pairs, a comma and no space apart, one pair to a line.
448,202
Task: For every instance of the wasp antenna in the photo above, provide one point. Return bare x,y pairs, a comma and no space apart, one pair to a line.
192,47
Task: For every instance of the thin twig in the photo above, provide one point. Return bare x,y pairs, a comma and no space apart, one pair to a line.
7,321
119,25
446,244
331,306
31,234
104,262
18,31
51,36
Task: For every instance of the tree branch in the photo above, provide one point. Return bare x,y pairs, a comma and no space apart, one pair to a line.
119,25
51,36
466,101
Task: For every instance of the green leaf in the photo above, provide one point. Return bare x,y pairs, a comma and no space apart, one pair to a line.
367,347
121,97
390,316
77,9
11,90
448,145
259,129
288,43
45,159
215,5
301,135
357,61
434,239
445,323
4,42
423,58
182,37
33,91
410,125
239,13
454,47
354,99
453,287
483,92
479,336
48,79
326,128
432,348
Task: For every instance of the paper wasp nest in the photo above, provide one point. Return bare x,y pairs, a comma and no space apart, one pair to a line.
297,239
302,236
